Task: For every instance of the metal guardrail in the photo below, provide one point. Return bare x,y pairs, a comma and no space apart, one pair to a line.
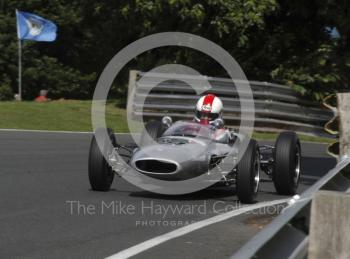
287,235
277,107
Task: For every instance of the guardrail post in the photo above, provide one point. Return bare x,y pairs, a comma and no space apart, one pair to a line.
329,226
344,127
132,81
131,91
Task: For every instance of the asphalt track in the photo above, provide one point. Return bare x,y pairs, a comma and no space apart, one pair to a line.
47,209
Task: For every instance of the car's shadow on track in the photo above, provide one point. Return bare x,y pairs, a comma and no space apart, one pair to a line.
212,193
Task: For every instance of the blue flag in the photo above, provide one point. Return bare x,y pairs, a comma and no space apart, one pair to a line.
34,27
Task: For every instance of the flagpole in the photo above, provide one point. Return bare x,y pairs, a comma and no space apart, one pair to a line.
34,28
19,70
19,61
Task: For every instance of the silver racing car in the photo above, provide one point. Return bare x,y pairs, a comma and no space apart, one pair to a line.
186,149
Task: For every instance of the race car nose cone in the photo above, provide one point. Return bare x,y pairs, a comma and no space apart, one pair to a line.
156,166
171,162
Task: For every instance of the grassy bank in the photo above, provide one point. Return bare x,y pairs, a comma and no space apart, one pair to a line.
68,115
73,115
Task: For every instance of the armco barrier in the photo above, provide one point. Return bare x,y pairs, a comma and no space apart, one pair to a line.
277,107
287,235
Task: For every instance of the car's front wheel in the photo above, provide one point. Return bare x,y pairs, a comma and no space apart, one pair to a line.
100,173
287,156
248,174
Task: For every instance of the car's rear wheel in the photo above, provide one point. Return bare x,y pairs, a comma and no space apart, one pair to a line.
100,173
152,131
287,156
248,174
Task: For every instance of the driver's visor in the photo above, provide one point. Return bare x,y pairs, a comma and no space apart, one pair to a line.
206,116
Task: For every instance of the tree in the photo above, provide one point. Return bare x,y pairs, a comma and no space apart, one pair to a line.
273,40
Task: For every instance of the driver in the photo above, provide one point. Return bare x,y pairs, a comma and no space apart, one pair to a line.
209,112
209,109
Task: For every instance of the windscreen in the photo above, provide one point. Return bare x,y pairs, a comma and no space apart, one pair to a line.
189,129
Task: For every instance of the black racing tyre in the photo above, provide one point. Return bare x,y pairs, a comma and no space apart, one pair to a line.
100,173
248,174
287,163
154,129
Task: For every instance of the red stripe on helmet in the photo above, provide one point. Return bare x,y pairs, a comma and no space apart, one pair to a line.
208,100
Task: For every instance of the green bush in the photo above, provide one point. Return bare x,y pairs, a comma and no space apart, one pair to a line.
6,90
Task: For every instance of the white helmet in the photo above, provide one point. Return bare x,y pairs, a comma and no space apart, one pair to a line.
208,109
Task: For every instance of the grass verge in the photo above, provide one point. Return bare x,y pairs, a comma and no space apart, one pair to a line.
70,115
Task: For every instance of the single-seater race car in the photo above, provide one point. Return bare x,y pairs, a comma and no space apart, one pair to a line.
185,149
